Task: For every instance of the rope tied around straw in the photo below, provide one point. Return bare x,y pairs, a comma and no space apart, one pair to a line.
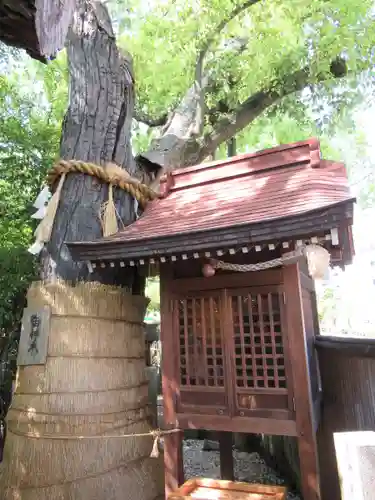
110,174
155,447
155,433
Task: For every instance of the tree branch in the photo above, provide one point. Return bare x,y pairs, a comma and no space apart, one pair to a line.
256,104
219,28
160,121
199,86
236,44
177,143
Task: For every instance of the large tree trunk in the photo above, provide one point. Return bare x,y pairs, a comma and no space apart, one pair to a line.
98,374
97,129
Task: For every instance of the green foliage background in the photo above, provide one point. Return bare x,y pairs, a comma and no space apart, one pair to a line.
29,138
164,38
31,110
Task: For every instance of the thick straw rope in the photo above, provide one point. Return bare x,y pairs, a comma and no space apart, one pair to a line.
111,174
139,191
260,266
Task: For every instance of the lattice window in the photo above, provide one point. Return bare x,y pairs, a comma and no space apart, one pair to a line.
200,341
259,352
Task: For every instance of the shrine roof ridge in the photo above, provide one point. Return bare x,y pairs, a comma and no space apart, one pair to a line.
285,155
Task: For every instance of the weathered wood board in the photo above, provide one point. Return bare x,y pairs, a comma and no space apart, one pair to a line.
206,489
355,454
34,336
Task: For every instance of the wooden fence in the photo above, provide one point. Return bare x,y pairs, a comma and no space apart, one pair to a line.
347,370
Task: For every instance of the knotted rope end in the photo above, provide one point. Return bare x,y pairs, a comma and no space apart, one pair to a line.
155,447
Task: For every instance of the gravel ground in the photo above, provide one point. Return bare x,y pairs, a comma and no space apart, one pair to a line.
248,467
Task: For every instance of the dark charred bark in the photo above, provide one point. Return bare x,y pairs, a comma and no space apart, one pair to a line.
96,128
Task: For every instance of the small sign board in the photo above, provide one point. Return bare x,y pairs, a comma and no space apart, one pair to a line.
34,336
355,454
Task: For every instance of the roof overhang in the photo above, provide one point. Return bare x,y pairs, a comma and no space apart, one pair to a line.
274,230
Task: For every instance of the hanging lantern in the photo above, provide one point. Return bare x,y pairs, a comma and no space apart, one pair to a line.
318,259
208,270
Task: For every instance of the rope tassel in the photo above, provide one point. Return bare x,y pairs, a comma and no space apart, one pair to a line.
108,214
111,174
44,230
155,447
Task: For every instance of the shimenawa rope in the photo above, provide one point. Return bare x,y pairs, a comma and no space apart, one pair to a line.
156,434
111,174
318,259
259,266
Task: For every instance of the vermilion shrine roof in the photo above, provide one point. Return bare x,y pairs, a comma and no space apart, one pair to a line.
286,190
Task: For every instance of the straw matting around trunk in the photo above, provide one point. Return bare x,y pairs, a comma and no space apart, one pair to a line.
94,385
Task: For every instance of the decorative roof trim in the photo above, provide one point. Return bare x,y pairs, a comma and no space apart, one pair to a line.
245,249
285,228
313,144
303,152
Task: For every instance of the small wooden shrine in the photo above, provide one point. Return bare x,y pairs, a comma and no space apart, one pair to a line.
238,347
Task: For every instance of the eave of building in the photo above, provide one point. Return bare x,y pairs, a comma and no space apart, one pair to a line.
275,231
330,240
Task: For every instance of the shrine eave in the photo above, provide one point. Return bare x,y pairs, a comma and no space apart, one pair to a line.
304,225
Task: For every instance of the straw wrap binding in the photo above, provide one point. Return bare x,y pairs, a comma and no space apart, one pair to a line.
93,385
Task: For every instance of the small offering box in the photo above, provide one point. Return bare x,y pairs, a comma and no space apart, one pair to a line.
213,489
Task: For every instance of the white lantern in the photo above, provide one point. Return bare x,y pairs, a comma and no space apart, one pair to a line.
318,259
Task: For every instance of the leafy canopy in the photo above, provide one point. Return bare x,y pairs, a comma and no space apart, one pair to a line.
259,48
30,119
276,39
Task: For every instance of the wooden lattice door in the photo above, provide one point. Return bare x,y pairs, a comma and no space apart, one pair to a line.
261,372
203,380
232,357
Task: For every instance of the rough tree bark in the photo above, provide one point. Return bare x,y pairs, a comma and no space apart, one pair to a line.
96,128
178,144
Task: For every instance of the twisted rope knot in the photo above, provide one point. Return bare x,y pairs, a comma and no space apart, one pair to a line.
156,433
113,175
